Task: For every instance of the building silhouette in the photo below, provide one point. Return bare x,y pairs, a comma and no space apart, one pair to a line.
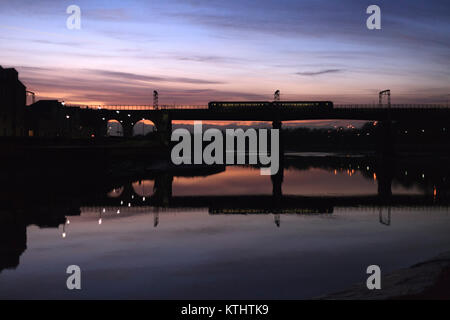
49,118
12,103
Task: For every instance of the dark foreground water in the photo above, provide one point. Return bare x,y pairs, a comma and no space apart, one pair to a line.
213,236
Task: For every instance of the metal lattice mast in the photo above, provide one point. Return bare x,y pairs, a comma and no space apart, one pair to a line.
155,99
276,96
380,98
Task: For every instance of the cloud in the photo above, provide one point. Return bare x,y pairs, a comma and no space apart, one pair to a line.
316,73
60,43
112,87
209,59
139,77
111,14
335,21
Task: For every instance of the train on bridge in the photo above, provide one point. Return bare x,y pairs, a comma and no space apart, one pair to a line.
315,105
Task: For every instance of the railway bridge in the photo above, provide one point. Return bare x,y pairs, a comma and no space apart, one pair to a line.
98,116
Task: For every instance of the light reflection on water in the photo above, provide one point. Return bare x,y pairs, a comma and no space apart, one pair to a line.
140,251
315,181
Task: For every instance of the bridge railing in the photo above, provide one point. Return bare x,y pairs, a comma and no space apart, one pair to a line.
186,107
136,107
393,106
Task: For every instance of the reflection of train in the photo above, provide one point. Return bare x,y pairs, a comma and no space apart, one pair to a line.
222,105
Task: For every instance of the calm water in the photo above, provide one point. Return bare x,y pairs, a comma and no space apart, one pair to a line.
214,236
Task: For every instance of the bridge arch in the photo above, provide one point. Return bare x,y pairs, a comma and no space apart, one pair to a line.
144,188
143,127
115,193
114,128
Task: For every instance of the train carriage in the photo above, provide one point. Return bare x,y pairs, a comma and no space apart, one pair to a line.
231,105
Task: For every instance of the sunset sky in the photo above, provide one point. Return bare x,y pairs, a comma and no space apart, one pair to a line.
196,51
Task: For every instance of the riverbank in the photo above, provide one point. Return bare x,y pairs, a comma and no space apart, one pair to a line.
428,280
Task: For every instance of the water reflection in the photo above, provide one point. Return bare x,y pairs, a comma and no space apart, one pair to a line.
331,187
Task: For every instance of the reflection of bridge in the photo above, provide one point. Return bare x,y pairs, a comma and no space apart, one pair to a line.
384,172
161,196
246,204
264,205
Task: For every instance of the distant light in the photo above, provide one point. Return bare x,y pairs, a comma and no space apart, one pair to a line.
132,196
68,221
100,221
143,198
129,115
103,119
117,111
368,168
118,211
406,131
104,210
121,202
63,103
423,176
367,134
129,204
423,130
406,173
67,116
63,234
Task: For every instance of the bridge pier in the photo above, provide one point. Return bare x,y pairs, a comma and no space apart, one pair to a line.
101,129
277,183
127,130
385,175
276,124
163,126
127,193
162,190
385,139
385,187
277,191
